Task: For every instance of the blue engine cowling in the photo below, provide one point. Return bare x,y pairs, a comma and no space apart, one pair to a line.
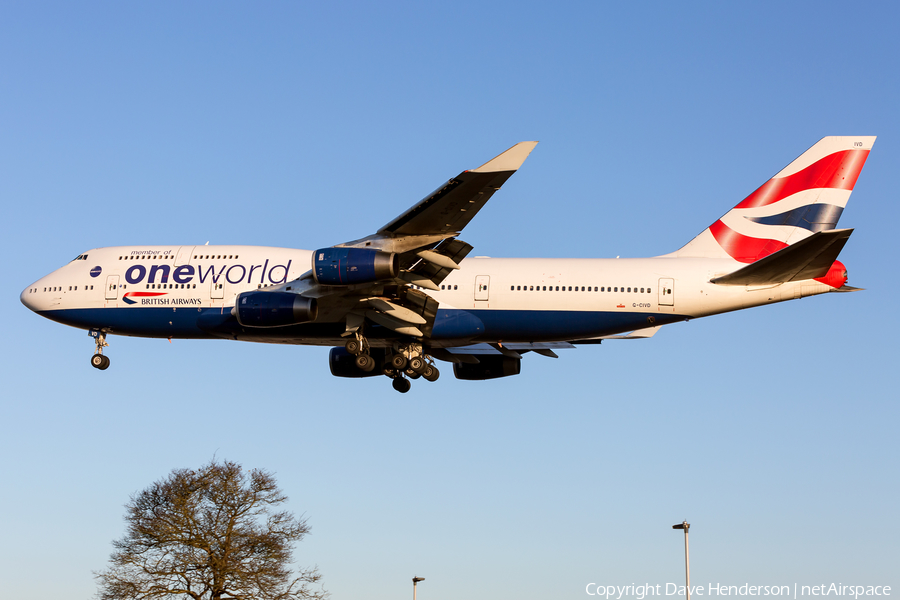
273,309
347,266
488,367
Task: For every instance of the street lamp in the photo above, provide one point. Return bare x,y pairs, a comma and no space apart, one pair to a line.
415,581
687,561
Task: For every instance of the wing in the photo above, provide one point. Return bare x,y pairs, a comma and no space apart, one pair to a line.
371,281
470,353
448,209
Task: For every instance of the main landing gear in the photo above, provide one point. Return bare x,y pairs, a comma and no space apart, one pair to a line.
98,360
407,362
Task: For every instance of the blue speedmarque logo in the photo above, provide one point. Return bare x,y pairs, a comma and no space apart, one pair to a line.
95,272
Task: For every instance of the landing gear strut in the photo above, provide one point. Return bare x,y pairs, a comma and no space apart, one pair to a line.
407,361
359,347
98,361
410,362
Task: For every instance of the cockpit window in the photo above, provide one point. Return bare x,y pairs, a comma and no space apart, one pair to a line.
80,257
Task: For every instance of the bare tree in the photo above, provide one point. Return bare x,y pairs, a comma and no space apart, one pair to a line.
209,534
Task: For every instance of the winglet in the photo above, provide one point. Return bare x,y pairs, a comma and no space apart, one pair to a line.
510,160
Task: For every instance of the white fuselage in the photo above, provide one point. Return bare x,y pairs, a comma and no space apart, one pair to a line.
159,291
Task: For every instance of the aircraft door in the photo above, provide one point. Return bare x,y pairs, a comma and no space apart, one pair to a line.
184,256
112,287
482,287
667,292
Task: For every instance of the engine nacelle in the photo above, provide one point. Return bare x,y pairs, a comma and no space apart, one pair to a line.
347,266
488,367
273,309
343,364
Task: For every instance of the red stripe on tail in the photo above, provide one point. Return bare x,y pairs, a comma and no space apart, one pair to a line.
838,171
741,247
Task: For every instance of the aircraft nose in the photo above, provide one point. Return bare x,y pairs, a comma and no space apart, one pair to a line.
28,297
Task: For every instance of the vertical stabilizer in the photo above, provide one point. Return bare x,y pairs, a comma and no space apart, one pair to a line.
805,197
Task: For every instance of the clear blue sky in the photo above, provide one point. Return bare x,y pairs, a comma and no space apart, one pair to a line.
773,431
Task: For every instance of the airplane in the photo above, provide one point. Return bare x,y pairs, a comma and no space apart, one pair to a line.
394,302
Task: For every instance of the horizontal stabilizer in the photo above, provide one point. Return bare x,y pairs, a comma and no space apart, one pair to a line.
807,259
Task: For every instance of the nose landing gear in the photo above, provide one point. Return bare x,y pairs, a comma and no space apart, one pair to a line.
98,361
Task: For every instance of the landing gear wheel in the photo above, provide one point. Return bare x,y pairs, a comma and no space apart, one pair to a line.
98,361
399,362
411,374
353,346
417,364
401,385
365,362
431,373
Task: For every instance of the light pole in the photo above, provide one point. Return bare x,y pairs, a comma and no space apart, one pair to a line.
687,561
415,581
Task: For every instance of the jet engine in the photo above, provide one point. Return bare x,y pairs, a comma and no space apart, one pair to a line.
347,266
273,309
488,367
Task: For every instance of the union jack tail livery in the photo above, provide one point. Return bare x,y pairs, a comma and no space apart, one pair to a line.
805,198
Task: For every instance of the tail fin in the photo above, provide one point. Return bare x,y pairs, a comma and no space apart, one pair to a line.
805,197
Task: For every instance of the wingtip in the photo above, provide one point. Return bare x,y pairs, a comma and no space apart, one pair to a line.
510,160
